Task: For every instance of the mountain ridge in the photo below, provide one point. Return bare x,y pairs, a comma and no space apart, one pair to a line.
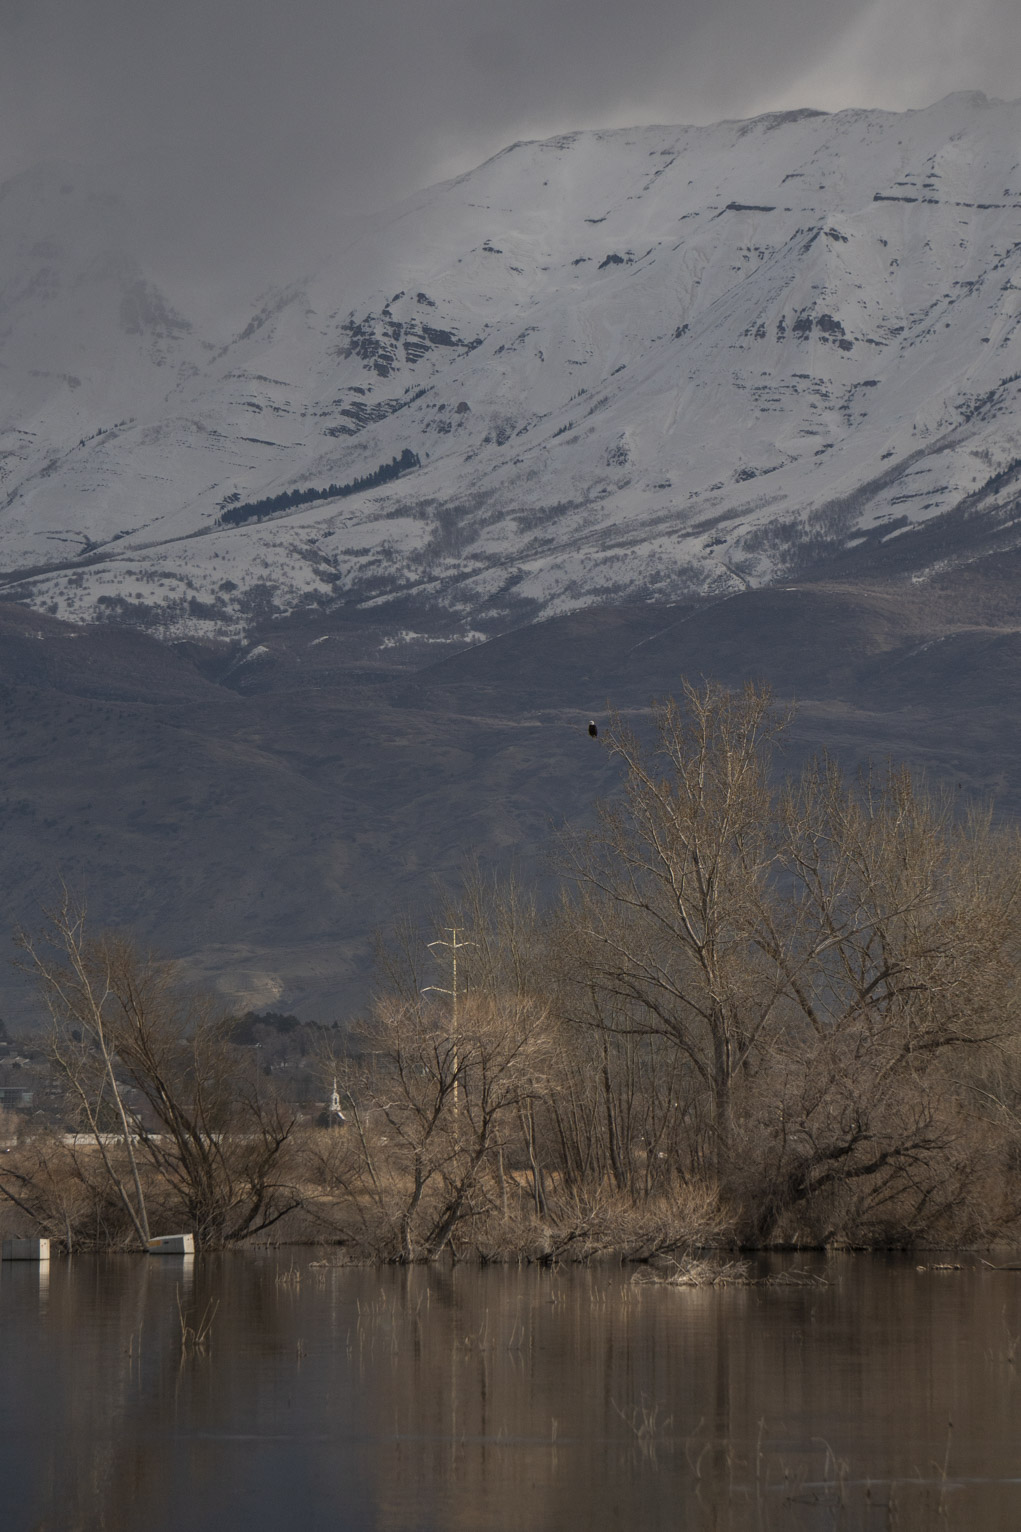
645,363
735,401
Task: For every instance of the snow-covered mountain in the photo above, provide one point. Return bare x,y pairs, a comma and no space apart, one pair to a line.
615,365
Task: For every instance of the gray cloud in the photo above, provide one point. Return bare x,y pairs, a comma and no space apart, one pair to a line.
250,113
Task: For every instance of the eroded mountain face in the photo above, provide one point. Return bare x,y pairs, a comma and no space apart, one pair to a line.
766,372
640,364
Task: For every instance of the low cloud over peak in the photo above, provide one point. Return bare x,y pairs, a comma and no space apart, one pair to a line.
260,126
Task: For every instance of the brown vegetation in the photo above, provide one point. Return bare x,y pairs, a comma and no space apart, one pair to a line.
831,965
762,1012
171,1127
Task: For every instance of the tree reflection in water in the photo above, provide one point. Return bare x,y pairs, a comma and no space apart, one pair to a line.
465,1399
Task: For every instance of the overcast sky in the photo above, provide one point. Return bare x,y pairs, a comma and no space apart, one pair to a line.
253,113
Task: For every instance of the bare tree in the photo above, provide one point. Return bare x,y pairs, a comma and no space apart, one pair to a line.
430,1112
174,1111
671,885
902,985
829,961
76,980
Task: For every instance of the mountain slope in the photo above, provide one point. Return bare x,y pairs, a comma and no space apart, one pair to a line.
640,364
256,812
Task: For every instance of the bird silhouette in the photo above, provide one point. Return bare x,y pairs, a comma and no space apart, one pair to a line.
593,731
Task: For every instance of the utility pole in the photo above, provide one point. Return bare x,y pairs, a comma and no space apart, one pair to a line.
453,946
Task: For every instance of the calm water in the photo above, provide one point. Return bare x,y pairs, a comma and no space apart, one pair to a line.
339,1398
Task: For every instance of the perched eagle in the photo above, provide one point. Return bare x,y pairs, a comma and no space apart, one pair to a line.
593,731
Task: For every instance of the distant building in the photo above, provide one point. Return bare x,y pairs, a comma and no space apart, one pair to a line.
15,1097
332,1116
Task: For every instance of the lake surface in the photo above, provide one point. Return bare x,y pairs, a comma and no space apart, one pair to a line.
333,1397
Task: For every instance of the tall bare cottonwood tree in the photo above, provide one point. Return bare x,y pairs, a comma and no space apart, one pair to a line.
830,960
671,885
